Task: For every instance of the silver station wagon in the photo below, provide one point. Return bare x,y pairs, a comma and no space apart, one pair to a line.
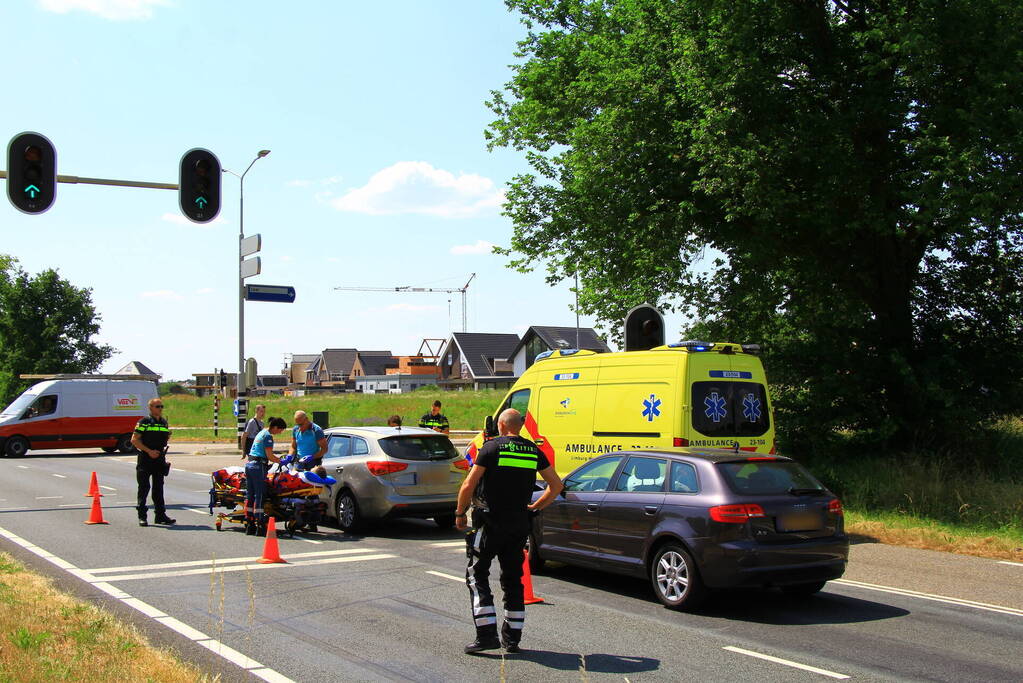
390,472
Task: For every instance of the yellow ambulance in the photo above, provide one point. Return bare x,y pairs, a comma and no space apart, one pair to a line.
579,404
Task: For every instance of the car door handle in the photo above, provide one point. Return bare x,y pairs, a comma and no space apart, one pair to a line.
339,469
650,509
592,507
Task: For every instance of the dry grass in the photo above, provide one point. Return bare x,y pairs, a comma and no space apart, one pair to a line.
916,533
46,635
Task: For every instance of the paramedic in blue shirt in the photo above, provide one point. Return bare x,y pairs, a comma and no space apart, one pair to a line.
260,456
307,439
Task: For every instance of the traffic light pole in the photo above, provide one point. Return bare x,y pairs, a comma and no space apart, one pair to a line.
78,180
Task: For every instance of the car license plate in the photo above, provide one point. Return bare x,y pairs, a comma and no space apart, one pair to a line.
807,520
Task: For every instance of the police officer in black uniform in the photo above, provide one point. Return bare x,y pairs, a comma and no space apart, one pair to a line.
435,420
150,440
500,487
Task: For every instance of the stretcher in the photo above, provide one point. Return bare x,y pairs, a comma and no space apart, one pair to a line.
292,497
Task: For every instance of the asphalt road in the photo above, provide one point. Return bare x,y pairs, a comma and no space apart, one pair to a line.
392,606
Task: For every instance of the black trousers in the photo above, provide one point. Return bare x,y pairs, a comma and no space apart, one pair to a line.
143,477
483,544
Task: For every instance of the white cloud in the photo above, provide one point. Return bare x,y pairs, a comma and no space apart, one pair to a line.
416,187
178,219
116,10
162,295
481,247
205,290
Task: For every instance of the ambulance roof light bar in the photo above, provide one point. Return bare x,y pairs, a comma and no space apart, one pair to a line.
692,345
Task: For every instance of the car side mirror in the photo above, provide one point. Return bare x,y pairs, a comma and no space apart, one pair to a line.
489,430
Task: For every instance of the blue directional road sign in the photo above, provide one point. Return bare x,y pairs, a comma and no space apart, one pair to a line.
279,294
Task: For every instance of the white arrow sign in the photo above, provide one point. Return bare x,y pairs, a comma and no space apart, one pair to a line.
250,267
250,245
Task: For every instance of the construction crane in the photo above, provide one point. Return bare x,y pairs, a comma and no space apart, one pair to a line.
446,290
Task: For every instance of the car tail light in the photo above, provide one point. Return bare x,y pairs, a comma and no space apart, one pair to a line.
379,468
835,507
679,443
463,464
736,514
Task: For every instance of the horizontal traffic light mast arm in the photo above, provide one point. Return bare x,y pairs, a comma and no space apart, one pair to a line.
78,180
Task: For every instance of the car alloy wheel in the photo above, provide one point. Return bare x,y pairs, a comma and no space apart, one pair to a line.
675,578
347,512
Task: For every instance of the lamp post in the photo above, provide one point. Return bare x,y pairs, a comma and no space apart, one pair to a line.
241,282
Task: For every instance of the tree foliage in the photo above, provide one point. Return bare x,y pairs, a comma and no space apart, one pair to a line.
839,180
46,326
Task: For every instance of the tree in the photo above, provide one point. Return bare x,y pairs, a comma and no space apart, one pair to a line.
839,179
46,326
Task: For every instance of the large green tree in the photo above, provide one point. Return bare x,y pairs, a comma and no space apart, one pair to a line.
840,180
46,326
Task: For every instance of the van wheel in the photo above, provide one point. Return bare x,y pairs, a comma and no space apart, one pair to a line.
675,578
16,447
348,518
124,444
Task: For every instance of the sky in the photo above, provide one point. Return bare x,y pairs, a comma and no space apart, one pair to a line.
378,175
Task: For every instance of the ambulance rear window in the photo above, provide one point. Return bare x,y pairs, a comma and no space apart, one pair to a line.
730,409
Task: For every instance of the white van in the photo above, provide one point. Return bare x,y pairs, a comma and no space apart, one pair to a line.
75,413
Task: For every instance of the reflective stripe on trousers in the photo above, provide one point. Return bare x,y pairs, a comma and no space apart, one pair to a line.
483,544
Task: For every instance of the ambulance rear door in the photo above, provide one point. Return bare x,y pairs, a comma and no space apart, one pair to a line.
730,404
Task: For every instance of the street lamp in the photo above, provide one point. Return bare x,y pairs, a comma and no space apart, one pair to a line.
241,280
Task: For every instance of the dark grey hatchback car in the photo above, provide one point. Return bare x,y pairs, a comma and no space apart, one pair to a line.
693,519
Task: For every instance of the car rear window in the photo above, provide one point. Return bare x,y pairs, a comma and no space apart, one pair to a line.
419,448
730,409
768,478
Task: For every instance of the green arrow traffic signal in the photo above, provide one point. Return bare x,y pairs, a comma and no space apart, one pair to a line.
32,191
201,201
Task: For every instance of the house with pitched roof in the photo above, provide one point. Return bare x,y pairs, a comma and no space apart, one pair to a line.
541,338
331,369
477,360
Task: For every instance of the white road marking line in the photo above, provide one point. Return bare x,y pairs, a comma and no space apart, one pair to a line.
445,576
12,509
201,491
48,497
228,560
108,488
233,656
1001,609
59,476
786,662
1011,564
23,467
175,469
308,540
201,512
449,544
72,505
244,567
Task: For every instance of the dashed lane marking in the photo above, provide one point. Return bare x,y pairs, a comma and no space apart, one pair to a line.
786,662
59,476
48,497
108,488
211,644
449,544
445,576
201,512
23,467
72,505
1001,609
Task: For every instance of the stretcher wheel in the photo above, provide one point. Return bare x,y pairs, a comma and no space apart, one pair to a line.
219,525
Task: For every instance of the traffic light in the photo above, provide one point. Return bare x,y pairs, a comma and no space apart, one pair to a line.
31,172
199,185
644,328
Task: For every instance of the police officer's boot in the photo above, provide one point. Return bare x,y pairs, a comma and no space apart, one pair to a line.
250,527
486,639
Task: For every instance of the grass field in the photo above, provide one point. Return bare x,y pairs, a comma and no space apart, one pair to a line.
46,635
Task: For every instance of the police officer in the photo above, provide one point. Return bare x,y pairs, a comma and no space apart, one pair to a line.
435,420
150,440
500,487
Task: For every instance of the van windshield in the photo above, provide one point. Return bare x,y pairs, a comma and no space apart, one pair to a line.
19,406
730,409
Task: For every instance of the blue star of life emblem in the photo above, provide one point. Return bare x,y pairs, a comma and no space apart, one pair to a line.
651,408
564,404
715,407
751,408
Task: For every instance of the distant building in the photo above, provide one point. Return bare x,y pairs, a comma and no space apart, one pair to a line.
331,369
416,365
540,338
139,368
477,360
373,363
393,383
295,368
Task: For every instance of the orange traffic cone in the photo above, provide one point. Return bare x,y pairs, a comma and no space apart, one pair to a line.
271,553
93,488
527,582
96,516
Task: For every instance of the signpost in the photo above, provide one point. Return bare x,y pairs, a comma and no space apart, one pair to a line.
273,293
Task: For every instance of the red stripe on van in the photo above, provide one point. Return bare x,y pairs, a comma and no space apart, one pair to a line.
534,432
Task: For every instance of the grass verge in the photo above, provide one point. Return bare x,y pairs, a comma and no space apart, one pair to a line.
46,635
915,532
